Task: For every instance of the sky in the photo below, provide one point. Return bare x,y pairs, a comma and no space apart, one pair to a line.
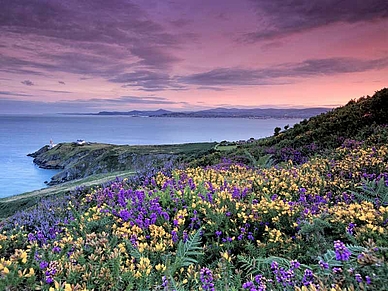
182,55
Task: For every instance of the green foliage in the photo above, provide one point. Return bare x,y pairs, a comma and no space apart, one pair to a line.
265,161
187,252
373,191
277,131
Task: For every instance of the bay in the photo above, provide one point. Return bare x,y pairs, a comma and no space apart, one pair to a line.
23,134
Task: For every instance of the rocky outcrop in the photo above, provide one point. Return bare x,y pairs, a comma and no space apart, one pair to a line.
79,161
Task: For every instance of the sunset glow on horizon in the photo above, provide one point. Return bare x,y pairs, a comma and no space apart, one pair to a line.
90,56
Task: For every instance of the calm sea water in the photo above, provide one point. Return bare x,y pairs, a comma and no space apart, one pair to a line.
20,135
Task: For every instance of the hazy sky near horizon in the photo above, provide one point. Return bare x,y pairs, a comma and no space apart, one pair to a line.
93,55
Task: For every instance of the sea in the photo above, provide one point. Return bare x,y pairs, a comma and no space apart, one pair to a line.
24,134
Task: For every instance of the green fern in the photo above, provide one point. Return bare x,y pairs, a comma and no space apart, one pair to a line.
373,190
329,256
356,250
174,285
248,264
254,266
187,252
317,226
266,161
134,252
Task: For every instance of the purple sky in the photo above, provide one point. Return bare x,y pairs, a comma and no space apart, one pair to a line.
93,55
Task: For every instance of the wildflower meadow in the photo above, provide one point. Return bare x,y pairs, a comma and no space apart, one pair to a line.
321,225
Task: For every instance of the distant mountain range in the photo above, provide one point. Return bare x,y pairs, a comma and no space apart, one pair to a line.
226,113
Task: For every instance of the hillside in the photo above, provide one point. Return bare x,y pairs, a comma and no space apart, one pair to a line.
363,120
317,222
77,161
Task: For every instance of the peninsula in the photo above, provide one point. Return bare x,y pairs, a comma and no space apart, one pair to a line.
80,160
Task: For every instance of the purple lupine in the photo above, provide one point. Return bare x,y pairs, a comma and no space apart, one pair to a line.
350,228
49,280
274,265
56,249
249,285
308,277
164,282
368,280
174,235
227,239
124,214
43,265
185,236
50,272
358,278
206,277
294,264
323,264
337,270
342,253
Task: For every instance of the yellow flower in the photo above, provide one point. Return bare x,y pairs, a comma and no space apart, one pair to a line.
68,287
31,273
226,256
160,267
122,247
23,256
56,285
159,247
137,275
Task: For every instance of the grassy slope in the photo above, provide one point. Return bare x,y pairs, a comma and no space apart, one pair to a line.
358,120
10,205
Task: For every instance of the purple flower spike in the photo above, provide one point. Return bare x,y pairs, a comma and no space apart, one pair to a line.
323,264
368,280
358,278
342,253
206,277
43,265
295,264
124,215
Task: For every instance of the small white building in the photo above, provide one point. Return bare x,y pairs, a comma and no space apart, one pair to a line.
52,144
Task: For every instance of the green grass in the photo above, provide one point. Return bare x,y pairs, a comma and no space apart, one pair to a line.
226,148
10,205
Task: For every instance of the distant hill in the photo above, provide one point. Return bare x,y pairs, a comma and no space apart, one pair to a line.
227,113
253,113
136,113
